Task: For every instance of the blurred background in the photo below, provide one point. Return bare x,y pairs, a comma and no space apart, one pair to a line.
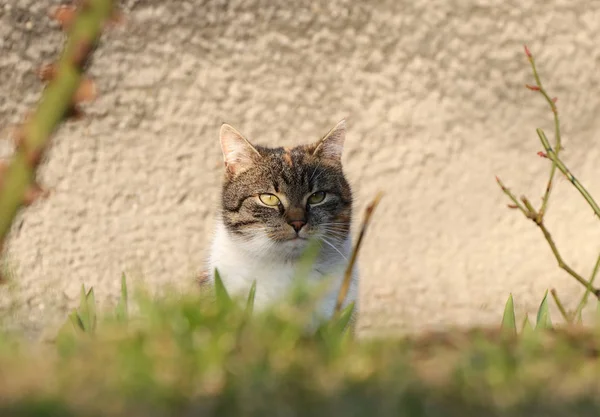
433,93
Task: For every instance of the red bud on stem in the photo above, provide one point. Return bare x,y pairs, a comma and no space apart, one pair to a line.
64,15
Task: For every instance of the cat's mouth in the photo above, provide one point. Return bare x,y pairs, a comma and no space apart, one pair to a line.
295,239
290,237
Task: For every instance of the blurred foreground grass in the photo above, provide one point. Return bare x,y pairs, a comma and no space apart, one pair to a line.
184,355
201,355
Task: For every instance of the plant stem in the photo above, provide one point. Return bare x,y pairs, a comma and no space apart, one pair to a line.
557,136
560,306
511,196
552,155
54,105
528,211
561,263
343,292
538,216
584,299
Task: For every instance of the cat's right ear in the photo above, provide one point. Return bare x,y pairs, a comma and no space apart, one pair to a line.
238,152
332,144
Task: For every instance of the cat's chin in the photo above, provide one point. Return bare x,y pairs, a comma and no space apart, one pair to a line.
291,248
299,242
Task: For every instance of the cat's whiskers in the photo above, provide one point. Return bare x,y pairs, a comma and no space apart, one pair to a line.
260,240
338,240
337,236
340,227
333,246
335,225
343,233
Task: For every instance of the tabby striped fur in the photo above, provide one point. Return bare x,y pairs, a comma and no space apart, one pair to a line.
261,241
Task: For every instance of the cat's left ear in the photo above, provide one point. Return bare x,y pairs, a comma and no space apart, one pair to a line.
238,152
331,145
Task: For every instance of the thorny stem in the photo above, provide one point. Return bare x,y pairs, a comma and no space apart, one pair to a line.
560,306
56,101
510,195
531,214
343,292
561,263
557,137
538,216
553,156
530,210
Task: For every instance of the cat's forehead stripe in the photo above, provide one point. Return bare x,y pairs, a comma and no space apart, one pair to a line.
291,173
287,157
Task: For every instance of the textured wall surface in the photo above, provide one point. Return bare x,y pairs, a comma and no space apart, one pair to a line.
434,99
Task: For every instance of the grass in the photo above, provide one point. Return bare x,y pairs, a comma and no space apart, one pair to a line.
207,354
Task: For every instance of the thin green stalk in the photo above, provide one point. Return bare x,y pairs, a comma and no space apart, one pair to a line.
516,203
563,168
584,298
529,211
538,216
560,306
56,101
557,135
561,263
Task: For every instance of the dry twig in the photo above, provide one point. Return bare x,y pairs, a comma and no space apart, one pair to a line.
348,274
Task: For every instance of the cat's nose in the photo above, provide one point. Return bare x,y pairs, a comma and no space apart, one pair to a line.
297,225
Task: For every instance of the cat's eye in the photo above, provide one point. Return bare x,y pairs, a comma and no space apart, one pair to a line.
316,198
269,199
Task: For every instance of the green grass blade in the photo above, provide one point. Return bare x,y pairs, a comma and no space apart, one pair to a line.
250,302
335,331
342,321
526,327
528,332
91,305
222,296
83,311
509,324
543,314
579,317
122,309
76,321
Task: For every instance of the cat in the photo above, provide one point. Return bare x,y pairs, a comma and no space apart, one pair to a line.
272,201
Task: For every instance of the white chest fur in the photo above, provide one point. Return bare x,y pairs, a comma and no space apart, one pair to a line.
241,263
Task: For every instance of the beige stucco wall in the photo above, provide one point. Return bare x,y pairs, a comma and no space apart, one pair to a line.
434,98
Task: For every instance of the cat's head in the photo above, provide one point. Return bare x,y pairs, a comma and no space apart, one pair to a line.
275,199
